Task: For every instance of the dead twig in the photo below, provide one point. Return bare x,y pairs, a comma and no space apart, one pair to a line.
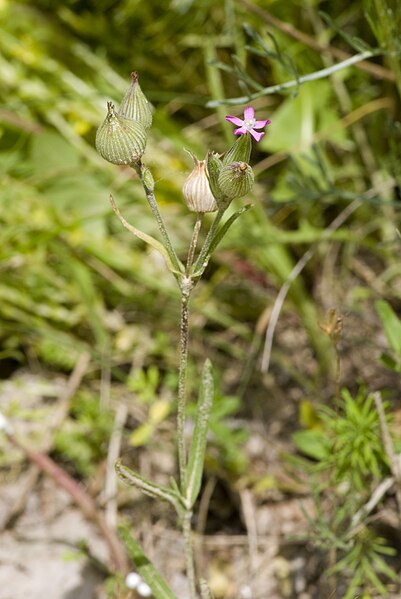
84,501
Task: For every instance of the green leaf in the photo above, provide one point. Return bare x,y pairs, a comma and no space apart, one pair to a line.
144,237
198,445
146,569
391,324
130,477
201,265
312,443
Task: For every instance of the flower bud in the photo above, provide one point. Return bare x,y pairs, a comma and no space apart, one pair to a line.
196,190
120,140
135,106
240,151
147,179
213,169
236,179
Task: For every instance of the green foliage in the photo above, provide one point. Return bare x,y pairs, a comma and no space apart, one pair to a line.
348,442
392,328
72,281
83,439
145,385
364,564
350,461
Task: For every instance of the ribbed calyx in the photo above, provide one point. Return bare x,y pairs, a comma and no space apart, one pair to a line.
196,190
135,106
120,140
235,180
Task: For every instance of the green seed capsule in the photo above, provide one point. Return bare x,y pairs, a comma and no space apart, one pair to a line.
120,140
236,180
135,105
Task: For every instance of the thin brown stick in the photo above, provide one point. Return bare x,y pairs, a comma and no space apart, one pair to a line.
84,501
57,418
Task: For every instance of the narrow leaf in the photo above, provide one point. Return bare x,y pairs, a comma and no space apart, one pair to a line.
144,236
146,569
223,230
218,237
130,477
199,438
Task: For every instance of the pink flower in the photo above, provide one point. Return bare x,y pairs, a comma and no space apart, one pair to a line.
249,124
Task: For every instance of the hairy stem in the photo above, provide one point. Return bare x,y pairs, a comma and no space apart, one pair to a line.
189,556
186,288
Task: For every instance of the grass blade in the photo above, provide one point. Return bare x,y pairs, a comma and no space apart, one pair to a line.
146,569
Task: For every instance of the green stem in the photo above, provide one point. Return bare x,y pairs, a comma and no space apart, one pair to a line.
186,288
150,196
200,263
189,555
194,241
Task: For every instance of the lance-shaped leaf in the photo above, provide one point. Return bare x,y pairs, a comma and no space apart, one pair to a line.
130,477
144,236
201,265
146,569
198,445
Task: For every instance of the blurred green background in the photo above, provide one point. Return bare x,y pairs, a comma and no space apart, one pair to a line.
73,281
327,197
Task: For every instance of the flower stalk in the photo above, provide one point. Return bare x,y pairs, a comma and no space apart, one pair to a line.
211,186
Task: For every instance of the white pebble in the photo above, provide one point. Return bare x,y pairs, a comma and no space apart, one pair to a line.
144,590
132,580
4,424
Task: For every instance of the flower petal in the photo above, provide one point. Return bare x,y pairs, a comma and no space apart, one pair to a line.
249,113
241,131
235,120
257,136
260,124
